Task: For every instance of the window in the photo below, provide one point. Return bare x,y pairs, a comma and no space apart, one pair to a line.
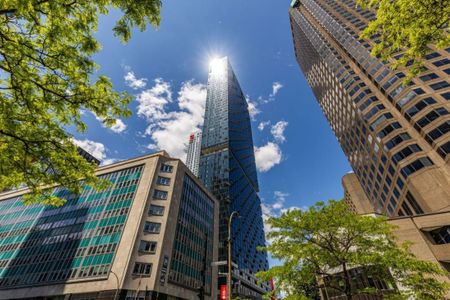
147,247
416,166
142,269
373,111
440,85
369,101
427,77
400,183
446,96
388,129
442,62
158,194
166,168
419,91
444,150
397,140
163,180
405,152
419,106
152,227
390,82
380,119
413,203
441,236
432,55
407,210
430,117
411,95
156,210
438,132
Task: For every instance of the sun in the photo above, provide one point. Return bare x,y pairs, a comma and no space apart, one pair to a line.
217,65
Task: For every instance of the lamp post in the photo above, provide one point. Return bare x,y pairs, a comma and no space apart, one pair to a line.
230,278
117,283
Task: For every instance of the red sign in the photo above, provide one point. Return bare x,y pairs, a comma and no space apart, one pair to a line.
223,292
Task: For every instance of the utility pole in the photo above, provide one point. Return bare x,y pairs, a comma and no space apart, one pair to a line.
117,284
202,288
230,273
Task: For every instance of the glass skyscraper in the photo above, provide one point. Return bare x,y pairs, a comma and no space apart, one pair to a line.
395,136
193,152
228,170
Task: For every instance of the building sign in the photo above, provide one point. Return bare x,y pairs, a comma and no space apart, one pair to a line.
163,273
223,292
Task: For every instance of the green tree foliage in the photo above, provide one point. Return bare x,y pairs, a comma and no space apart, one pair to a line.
411,25
325,242
46,80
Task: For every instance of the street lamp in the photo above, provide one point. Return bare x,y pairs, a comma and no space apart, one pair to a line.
117,283
230,278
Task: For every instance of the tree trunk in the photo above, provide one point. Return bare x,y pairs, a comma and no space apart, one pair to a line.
348,283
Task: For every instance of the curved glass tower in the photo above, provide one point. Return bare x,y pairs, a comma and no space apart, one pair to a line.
228,169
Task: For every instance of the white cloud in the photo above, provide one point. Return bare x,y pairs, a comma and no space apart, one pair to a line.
285,210
280,198
267,212
109,161
267,156
94,148
273,209
277,131
276,86
133,82
119,126
253,109
152,102
263,125
170,130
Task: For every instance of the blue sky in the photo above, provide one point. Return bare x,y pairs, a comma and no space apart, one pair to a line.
299,157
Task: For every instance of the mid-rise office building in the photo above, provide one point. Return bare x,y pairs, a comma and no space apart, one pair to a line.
193,152
395,136
149,235
228,170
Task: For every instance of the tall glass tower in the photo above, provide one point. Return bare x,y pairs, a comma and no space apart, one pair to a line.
228,169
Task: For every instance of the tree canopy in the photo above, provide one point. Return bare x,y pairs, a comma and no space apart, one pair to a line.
409,25
324,244
47,78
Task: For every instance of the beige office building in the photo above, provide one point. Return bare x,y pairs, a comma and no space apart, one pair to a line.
429,233
396,137
149,235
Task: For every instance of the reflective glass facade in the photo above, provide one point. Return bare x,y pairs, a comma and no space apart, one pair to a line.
46,245
395,136
192,253
228,170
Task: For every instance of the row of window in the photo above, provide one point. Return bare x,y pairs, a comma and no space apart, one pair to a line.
149,247
347,80
67,242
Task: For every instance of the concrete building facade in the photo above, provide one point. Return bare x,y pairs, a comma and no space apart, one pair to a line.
193,152
149,235
429,233
395,136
